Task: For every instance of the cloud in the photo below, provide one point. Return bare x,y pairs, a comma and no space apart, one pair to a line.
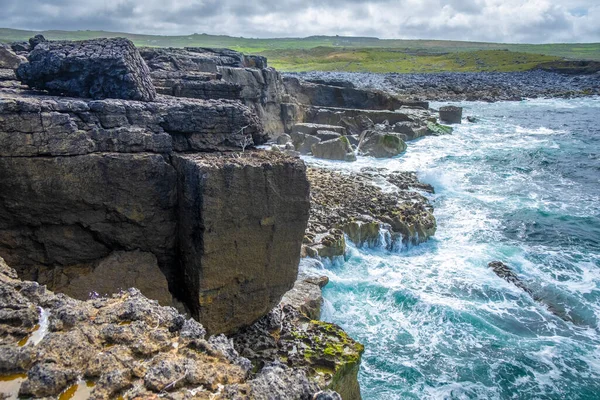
533,21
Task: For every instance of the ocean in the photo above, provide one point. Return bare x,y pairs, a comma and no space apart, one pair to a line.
521,186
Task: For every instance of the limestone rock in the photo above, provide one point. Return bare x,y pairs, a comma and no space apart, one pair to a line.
284,139
33,125
249,214
128,346
329,356
334,149
313,129
303,143
451,114
327,135
120,271
98,68
305,297
363,233
34,41
355,205
219,74
382,145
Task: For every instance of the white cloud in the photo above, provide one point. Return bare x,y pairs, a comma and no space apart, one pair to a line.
536,21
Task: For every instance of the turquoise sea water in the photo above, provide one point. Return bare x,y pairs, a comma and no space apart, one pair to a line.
521,186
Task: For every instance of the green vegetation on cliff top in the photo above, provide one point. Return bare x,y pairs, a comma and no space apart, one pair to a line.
361,54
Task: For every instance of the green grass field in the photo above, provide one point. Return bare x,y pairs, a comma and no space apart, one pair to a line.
333,53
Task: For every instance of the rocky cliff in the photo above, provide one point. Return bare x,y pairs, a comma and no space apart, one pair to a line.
102,195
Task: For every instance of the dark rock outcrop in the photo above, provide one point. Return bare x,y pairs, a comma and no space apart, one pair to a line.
292,335
334,149
381,145
315,94
451,114
99,68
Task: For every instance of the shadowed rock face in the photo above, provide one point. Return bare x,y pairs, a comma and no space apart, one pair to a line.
99,68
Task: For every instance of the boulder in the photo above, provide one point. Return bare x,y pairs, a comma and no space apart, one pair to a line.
8,58
382,145
34,41
334,149
303,143
98,68
433,128
451,114
21,47
284,139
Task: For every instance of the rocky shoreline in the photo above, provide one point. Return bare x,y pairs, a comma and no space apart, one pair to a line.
157,185
469,86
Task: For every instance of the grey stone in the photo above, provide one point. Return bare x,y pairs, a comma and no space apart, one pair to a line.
451,114
334,149
98,68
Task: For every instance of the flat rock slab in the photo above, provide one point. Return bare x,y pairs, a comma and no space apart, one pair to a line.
33,125
98,68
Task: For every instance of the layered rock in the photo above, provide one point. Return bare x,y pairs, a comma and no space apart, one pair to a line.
98,68
100,197
34,125
126,346
334,149
451,114
381,145
219,74
315,94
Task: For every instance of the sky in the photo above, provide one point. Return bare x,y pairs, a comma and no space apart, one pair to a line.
509,21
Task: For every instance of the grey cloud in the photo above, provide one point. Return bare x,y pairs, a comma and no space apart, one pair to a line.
479,20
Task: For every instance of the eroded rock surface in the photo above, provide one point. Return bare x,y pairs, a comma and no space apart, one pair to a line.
100,185
127,346
353,204
251,211
98,68
291,335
